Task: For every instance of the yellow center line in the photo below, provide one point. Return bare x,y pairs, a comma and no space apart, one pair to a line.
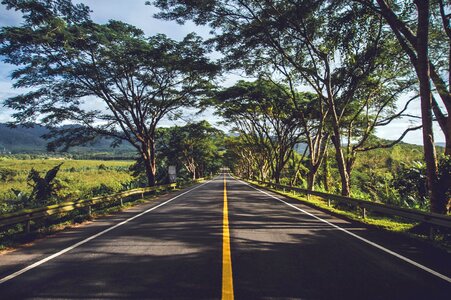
227,278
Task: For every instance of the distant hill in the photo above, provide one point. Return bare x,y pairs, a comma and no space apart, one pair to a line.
29,140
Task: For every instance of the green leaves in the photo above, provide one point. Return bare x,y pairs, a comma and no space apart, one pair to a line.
44,188
195,147
67,59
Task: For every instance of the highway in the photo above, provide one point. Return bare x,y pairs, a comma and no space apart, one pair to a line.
225,239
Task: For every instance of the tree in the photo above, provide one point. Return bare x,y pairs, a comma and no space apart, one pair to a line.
417,25
247,156
262,110
330,46
44,188
196,146
110,80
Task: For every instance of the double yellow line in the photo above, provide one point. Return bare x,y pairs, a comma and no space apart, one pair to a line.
227,277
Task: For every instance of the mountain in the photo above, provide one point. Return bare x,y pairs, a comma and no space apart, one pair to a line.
22,139
29,140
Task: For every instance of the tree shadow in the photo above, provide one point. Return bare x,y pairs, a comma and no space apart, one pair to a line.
174,253
281,253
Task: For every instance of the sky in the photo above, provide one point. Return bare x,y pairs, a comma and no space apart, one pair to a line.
136,13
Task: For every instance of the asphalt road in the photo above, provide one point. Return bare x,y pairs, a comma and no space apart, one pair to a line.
176,248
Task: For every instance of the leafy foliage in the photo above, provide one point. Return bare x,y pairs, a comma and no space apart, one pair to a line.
7,174
133,80
43,188
265,114
196,147
76,179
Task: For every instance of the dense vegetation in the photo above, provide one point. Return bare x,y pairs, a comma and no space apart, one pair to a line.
76,179
394,176
356,57
195,150
328,75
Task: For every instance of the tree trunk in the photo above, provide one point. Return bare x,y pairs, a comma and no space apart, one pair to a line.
149,166
345,184
311,176
326,172
436,192
148,155
350,163
448,136
277,175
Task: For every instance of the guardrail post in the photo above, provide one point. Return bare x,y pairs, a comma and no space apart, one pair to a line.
28,226
142,195
364,212
431,233
328,202
89,210
122,201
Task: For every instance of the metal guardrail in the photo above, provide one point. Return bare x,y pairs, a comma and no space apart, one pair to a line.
28,215
411,214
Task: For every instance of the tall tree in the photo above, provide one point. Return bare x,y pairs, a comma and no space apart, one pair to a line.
110,80
418,25
246,156
261,108
330,46
196,146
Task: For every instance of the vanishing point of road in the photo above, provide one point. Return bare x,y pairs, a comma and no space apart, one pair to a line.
225,239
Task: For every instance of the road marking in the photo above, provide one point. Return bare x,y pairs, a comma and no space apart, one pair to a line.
408,260
227,277
42,261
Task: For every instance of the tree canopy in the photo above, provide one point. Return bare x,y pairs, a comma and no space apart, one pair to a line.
109,79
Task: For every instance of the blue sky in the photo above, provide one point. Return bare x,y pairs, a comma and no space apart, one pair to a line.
136,13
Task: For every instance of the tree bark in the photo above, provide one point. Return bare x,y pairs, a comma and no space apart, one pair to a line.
311,180
448,136
436,191
277,173
326,172
150,173
345,182
149,158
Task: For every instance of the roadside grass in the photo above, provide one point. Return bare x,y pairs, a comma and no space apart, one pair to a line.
415,230
355,215
78,178
392,224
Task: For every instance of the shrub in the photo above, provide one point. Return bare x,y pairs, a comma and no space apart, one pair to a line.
7,174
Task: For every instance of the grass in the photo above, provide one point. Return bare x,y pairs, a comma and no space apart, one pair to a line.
77,178
391,224
380,222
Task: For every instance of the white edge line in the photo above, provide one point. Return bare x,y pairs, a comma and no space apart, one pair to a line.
408,260
44,260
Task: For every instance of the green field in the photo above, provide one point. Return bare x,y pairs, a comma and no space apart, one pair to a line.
76,178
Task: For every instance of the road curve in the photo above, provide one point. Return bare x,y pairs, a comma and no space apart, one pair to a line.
174,248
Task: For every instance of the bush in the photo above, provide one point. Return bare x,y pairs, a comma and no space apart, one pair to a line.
7,174
410,181
102,189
